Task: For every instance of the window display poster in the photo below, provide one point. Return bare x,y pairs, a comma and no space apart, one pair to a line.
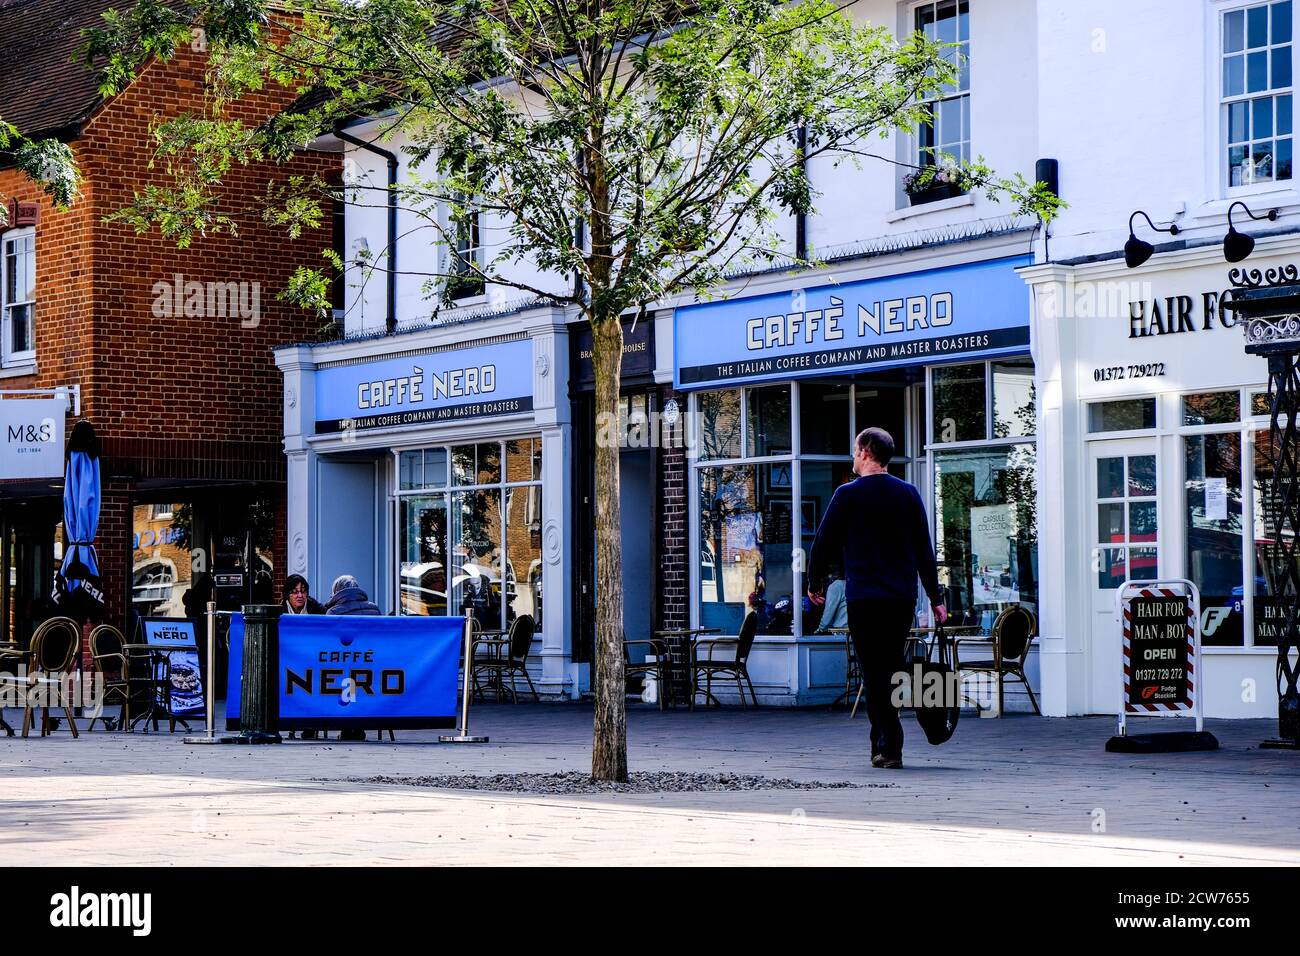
1216,499
990,535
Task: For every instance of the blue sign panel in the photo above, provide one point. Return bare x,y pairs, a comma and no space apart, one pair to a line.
341,671
975,310
426,387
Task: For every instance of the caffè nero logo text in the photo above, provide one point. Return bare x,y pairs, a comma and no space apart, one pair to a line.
179,297
884,317
410,389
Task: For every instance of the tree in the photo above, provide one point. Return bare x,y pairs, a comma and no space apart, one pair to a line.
47,162
645,147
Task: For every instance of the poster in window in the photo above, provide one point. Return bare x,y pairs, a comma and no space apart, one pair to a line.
991,533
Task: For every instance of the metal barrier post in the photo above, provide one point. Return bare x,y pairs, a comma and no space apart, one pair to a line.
210,736
464,736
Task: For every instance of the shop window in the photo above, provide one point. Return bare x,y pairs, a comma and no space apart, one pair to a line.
987,545
719,424
1213,528
1211,408
1013,399
1256,93
1121,416
881,408
458,547
161,562
1259,404
422,468
960,403
18,297
767,421
1267,533
824,419
746,525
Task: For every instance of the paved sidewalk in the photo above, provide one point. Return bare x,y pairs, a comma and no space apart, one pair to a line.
1011,791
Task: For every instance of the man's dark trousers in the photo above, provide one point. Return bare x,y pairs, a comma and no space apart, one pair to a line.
879,627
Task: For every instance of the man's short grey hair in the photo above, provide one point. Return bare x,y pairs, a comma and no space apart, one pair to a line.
343,581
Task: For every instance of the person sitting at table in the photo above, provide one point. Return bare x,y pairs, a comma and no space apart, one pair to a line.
835,609
346,597
297,597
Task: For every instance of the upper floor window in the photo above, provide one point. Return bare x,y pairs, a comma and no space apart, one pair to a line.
1256,92
465,278
18,296
945,133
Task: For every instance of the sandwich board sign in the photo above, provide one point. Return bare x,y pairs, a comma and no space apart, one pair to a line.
1161,639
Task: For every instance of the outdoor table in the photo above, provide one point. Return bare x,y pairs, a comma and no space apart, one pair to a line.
494,640
680,643
159,662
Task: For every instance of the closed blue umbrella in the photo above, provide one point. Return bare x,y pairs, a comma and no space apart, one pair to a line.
77,585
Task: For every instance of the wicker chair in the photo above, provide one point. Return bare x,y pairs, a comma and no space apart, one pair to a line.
1010,639
733,667
47,662
507,656
655,662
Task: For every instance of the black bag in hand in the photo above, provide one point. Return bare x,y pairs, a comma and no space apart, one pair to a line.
935,669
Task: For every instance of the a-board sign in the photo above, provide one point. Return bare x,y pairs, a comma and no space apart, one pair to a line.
1159,651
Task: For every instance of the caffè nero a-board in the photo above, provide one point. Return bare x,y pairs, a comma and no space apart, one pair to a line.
1161,626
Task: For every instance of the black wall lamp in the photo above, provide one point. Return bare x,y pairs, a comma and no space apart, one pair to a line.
1138,251
1238,245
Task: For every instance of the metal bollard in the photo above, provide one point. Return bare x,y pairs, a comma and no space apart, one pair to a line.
260,692
210,737
464,736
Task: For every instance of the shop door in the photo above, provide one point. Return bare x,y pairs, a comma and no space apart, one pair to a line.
1125,536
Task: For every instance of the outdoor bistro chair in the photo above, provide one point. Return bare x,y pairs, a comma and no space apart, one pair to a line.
1010,638
109,660
508,656
655,662
48,662
732,667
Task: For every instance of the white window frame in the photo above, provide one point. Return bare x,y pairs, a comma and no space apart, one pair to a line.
458,255
915,156
1219,103
8,357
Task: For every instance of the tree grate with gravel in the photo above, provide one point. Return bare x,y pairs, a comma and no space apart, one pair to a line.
575,782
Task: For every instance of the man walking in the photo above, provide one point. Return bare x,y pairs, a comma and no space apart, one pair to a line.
875,528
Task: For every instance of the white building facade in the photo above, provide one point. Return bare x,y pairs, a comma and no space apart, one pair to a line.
964,330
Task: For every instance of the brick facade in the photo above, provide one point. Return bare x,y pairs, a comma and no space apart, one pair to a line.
187,399
674,563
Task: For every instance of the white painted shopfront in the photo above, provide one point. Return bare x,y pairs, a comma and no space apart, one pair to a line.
1151,452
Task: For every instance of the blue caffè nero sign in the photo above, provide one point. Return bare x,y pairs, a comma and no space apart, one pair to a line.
424,387
968,311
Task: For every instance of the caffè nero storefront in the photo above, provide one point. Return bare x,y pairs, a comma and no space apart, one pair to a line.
1152,463
780,382
435,466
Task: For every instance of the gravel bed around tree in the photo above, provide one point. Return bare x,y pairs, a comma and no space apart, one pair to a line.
575,782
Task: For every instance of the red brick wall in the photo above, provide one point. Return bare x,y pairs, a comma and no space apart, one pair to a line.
674,564
171,397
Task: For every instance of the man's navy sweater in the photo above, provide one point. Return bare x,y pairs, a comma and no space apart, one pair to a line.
876,529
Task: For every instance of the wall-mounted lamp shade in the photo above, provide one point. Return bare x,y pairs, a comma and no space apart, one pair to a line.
1138,251
1238,245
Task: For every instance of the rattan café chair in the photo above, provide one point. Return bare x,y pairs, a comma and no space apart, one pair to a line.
1011,637
48,664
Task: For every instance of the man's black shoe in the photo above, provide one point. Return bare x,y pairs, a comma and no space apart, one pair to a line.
892,763
877,760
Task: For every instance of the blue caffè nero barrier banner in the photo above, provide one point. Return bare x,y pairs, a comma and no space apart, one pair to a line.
338,671
976,310
422,387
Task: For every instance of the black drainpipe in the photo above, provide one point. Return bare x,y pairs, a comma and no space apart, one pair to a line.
391,289
801,218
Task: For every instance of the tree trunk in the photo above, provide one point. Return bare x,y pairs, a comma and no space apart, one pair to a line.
609,733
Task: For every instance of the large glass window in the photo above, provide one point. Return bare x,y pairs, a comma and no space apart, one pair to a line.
960,402
1256,93
1213,522
1267,537
470,536
759,511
